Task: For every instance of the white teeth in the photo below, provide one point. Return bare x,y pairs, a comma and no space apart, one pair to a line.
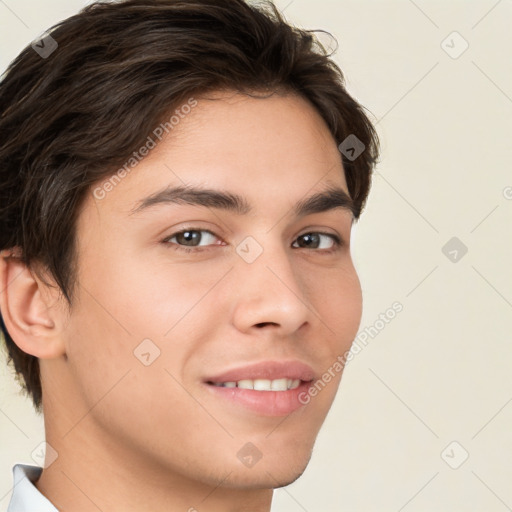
279,385
262,384
295,384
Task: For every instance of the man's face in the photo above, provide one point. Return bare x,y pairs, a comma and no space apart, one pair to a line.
264,295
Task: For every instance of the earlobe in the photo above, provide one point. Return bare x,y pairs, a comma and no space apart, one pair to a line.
26,309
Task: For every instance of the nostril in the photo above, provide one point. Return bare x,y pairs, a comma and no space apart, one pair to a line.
263,324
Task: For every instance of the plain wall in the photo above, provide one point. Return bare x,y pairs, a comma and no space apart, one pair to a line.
440,371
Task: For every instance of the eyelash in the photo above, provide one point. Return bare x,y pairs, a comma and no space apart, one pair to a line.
338,243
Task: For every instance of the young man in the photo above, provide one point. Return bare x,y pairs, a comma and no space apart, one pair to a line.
179,180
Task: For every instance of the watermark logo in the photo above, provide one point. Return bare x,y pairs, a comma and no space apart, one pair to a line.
454,45
249,249
351,147
455,455
146,352
44,455
249,455
45,45
454,249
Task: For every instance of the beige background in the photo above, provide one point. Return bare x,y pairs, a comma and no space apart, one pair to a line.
441,370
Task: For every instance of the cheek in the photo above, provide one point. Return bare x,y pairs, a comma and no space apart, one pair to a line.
147,296
161,301
348,309
122,317
136,300
336,296
99,348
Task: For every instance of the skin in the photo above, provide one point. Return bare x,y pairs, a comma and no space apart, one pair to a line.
131,437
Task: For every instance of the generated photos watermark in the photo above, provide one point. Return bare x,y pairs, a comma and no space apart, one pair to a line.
101,191
360,342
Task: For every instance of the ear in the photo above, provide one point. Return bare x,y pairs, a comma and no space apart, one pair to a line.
30,308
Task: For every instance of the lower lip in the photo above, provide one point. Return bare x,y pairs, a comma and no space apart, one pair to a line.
265,403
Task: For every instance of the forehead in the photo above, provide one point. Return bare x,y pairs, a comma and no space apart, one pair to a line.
255,129
263,148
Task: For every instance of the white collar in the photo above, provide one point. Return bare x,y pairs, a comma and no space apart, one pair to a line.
25,495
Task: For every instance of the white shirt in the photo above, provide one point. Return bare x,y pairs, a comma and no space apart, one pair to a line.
25,496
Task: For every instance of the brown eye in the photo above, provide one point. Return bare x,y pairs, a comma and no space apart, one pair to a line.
192,238
311,240
188,238
317,241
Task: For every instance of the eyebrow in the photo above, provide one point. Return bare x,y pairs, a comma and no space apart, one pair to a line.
329,199
197,197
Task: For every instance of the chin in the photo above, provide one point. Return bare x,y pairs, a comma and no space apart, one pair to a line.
261,480
267,475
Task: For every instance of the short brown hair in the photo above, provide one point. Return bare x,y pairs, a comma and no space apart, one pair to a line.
72,118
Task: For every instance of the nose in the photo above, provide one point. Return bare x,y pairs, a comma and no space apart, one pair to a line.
269,295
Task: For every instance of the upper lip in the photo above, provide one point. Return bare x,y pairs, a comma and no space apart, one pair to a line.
270,370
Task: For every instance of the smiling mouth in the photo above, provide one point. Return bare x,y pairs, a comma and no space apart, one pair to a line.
266,388
282,384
